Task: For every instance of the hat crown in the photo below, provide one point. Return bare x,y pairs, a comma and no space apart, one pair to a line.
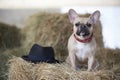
39,52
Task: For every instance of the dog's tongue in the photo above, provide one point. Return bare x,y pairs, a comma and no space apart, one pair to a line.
83,34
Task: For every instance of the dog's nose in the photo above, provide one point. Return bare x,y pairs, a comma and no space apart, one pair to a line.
84,26
84,31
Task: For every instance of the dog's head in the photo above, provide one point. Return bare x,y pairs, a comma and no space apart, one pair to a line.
83,27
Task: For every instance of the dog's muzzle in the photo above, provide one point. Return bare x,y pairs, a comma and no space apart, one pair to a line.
82,31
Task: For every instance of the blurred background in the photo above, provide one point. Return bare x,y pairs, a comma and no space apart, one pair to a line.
15,12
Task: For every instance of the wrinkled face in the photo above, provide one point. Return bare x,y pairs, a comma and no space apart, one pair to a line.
83,27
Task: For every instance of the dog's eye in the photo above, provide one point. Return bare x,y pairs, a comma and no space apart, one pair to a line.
88,24
77,24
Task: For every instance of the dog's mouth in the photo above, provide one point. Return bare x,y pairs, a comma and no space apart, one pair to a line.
83,33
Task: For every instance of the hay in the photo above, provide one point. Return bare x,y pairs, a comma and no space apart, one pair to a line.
22,70
5,56
53,29
10,41
10,36
19,70
108,58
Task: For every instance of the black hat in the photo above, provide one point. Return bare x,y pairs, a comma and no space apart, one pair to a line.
40,54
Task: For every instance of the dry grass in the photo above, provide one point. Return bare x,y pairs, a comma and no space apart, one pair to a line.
20,69
10,36
5,56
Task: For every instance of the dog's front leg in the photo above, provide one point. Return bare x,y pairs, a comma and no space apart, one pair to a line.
72,60
90,63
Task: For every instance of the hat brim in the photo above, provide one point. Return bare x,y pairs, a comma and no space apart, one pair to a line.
37,61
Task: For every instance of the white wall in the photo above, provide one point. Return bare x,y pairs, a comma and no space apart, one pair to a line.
22,4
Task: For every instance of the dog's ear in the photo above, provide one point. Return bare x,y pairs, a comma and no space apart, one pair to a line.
72,15
95,17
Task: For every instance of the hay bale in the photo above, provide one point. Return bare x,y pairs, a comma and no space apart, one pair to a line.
22,70
10,36
53,29
5,56
19,70
108,58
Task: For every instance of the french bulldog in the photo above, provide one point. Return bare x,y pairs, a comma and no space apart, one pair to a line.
82,44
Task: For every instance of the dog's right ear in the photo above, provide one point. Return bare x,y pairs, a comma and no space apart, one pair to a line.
72,15
95,17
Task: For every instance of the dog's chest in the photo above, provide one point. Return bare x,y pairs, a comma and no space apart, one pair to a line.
84,50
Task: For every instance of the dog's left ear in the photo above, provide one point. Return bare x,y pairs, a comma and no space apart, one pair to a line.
95,17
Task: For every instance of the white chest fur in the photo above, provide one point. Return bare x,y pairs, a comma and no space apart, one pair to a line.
85,50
